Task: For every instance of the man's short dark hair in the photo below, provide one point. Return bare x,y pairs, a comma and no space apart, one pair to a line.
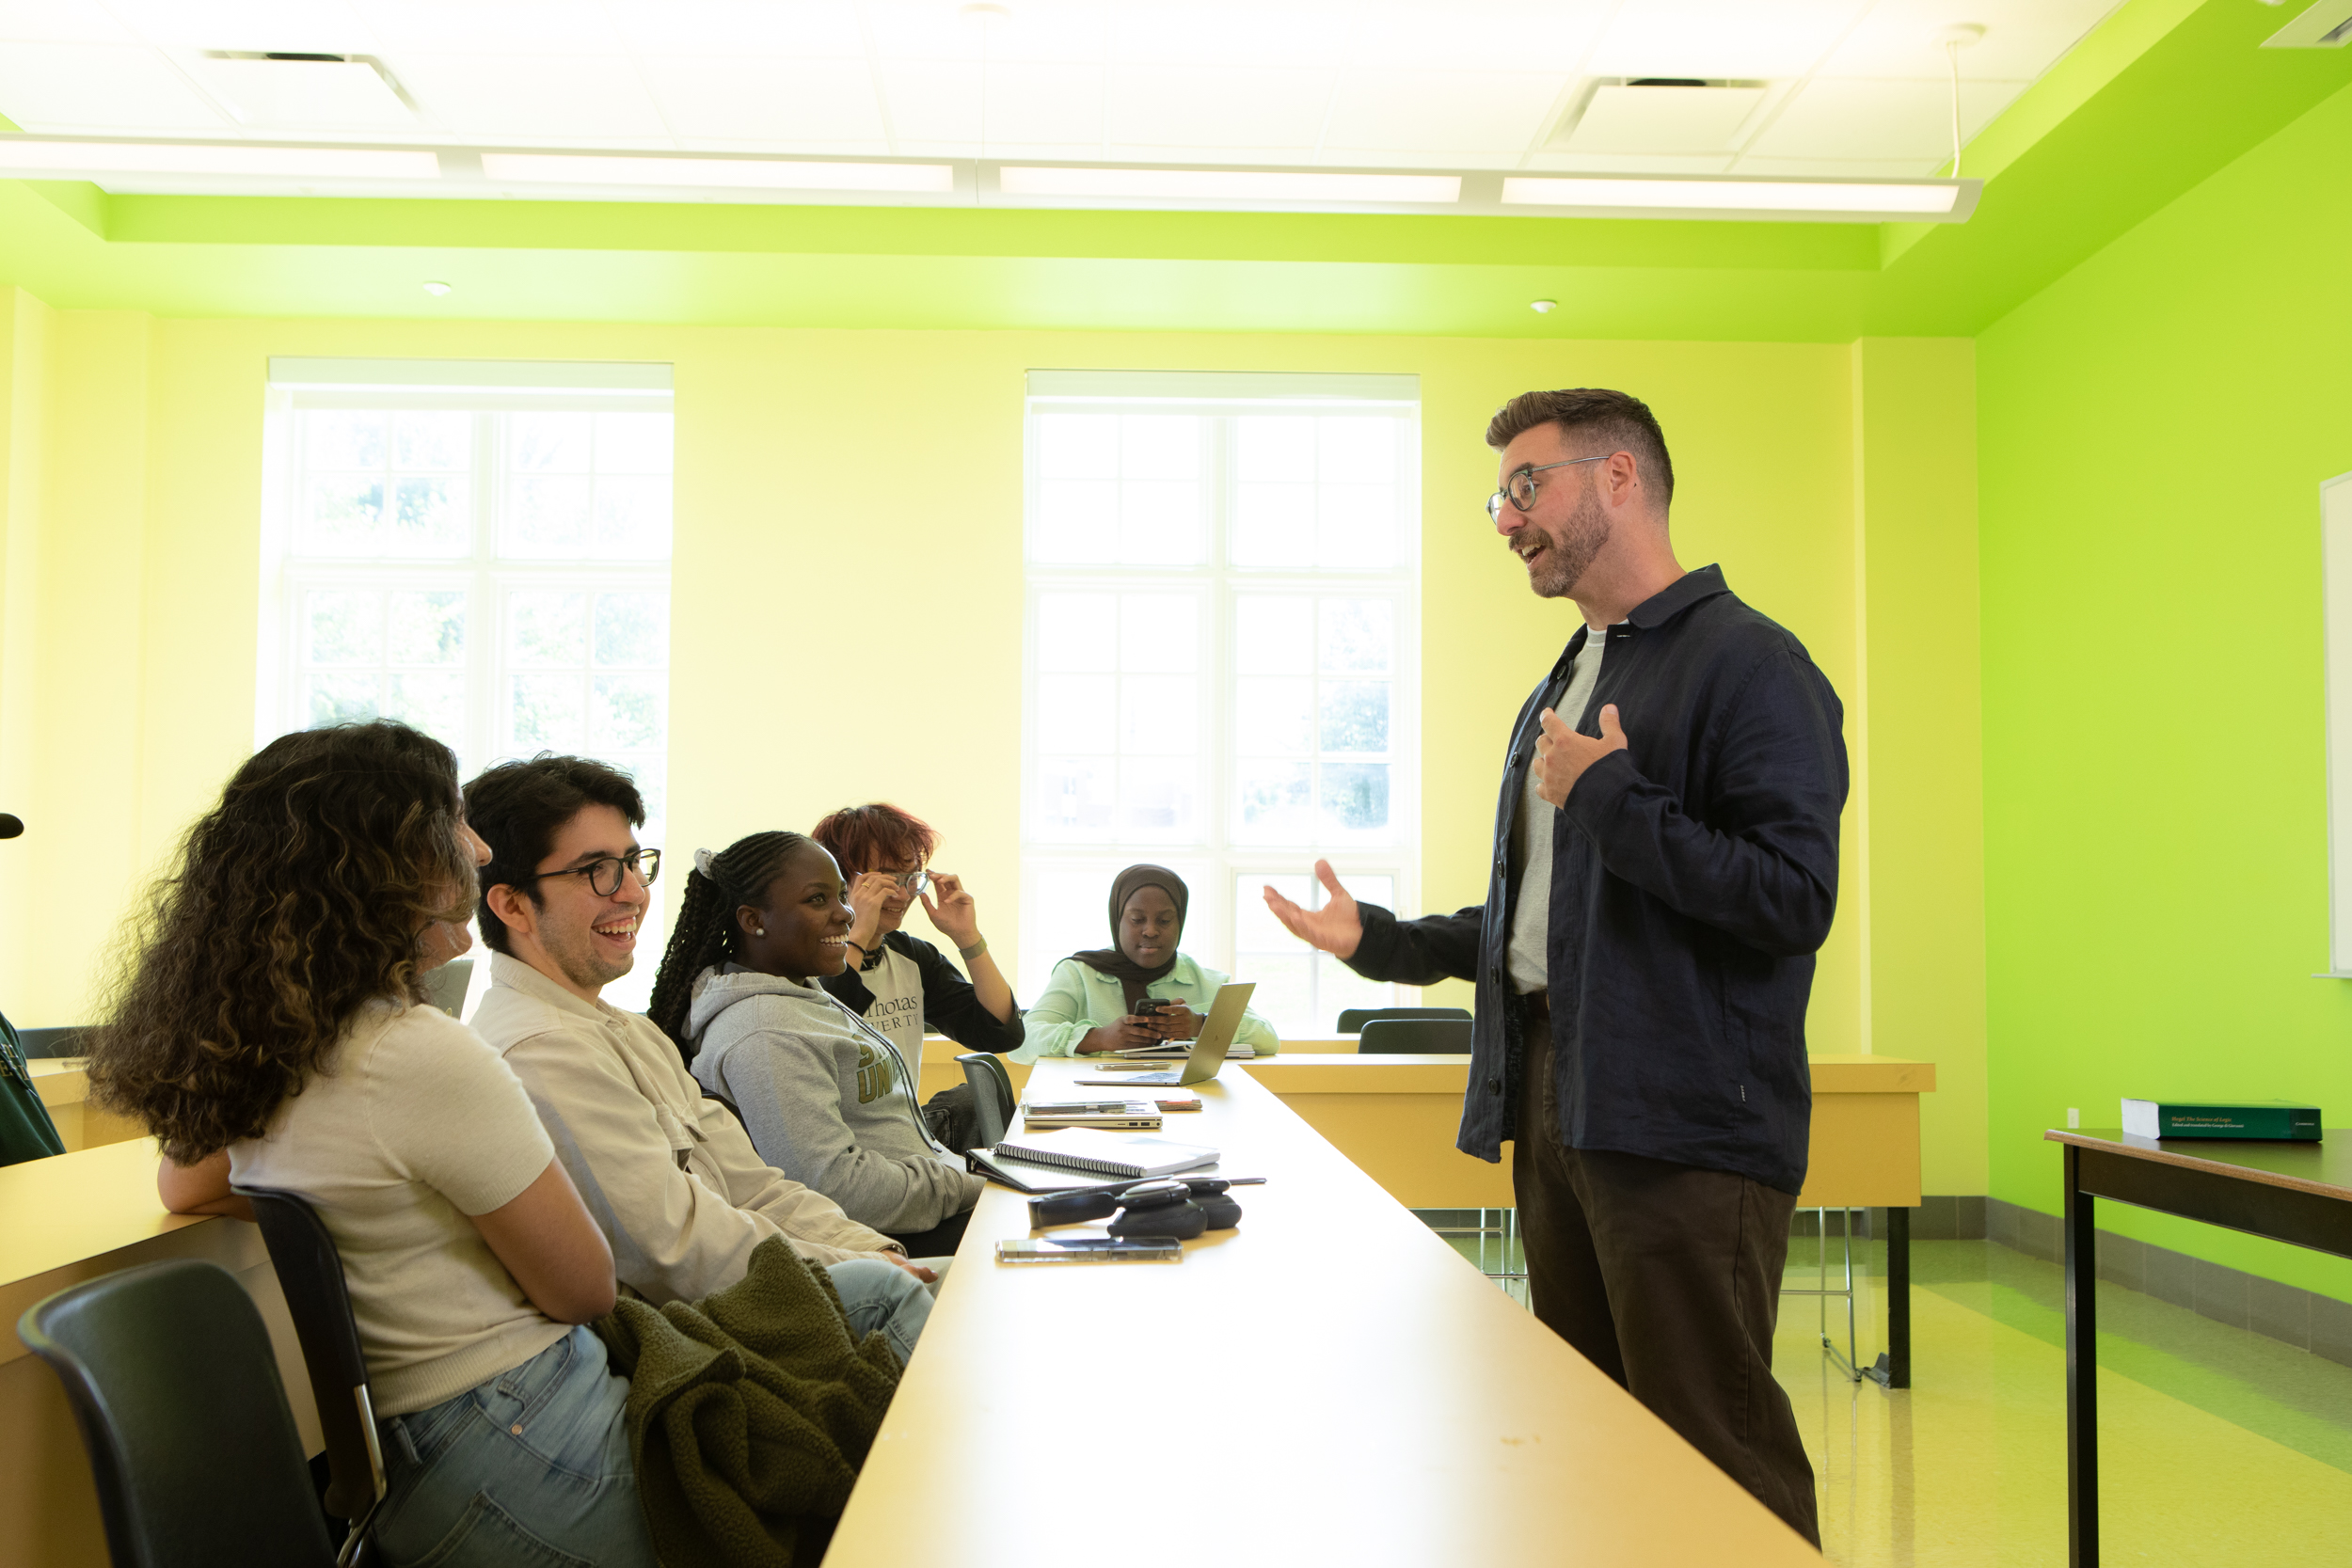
518,808
1623,423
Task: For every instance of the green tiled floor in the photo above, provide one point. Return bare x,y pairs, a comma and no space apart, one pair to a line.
2220,1447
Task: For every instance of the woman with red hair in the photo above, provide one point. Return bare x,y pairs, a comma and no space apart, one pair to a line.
901,984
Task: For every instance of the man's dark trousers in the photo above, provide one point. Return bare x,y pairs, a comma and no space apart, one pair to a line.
1666,1278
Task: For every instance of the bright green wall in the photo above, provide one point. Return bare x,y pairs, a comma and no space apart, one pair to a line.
2154,428
848,514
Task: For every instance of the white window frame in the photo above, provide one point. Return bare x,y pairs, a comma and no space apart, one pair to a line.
1218,865
481,389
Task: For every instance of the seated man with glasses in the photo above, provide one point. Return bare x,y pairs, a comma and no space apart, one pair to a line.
670,1176
899,982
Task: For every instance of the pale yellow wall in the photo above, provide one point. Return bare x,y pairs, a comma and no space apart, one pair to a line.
1916,453
846,581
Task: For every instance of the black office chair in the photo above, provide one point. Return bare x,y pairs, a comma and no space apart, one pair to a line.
992,1097
310,1274
1410,1037
174,1385
53,1042
1352,1021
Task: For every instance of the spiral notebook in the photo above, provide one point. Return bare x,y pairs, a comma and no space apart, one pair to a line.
1107,1153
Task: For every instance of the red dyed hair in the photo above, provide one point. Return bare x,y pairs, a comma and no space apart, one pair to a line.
862,837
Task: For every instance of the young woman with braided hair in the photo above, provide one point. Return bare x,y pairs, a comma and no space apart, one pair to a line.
827,1098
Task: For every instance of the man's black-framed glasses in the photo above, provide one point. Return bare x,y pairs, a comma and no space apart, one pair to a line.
1522,486
604,875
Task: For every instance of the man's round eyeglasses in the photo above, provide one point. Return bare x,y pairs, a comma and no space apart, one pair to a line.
1522,486
604,876
913,882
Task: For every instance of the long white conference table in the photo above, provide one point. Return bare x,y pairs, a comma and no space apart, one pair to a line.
1328,1382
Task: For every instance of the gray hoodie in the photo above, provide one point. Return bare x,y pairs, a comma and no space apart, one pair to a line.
826,1097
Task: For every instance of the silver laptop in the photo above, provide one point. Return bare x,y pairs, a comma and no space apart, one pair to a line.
1208,1050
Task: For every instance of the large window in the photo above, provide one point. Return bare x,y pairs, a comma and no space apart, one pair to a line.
1222,659
479,548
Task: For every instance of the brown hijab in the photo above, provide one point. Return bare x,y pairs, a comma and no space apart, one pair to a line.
1131,977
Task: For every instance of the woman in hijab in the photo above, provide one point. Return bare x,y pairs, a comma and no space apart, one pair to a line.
1089,1004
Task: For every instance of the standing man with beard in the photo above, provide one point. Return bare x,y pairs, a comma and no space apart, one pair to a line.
1665,865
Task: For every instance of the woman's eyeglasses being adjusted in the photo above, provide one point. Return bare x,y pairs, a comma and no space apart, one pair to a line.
913,882
604,876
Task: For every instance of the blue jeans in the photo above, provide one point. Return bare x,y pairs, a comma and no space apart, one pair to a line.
530,1467
876,1294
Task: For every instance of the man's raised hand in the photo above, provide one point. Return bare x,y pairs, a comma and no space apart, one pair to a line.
1335,928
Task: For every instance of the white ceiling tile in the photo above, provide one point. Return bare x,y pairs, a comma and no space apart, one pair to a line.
523,98
1525,36
1298,34
60,22
1439,112
2022,38
96,88
1843,168
302,96
935,102
1042,102
1212,107
1607,163
796,28
517,30
1034,30
1736,39
780,102
1842,119
1696,121
310,27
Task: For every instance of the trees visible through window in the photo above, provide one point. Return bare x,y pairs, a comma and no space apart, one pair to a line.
1222,658
481,550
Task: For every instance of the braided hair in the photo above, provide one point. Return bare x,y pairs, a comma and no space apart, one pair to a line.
704,935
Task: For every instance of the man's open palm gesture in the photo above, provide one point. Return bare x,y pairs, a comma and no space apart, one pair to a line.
1335,928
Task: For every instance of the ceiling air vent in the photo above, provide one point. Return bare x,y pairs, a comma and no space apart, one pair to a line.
288,91
2325,26
1659,116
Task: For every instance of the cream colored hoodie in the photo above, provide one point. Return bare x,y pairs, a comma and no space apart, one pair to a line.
669,1174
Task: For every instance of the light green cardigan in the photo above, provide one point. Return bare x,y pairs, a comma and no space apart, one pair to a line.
1078,998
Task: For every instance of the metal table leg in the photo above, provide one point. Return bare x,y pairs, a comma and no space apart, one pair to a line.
2082,1370
1894,1366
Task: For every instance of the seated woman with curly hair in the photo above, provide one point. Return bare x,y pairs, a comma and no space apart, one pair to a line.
273,1032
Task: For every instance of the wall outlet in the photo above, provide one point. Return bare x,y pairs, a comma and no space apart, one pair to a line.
2073,1116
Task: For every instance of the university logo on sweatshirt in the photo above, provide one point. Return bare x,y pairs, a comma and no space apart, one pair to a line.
874,1075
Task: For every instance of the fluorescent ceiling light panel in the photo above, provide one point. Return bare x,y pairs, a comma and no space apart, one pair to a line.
1736,196
305,96
32,155
771,174
1209,184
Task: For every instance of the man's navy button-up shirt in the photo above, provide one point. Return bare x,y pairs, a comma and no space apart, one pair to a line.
1693,876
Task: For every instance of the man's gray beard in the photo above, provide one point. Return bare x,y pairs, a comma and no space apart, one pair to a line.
1569,557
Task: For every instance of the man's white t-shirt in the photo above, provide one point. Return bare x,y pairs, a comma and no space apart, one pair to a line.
413,1124
1531,832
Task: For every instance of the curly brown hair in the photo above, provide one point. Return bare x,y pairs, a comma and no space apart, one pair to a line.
295,901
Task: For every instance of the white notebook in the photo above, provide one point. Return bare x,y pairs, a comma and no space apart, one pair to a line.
1108,1153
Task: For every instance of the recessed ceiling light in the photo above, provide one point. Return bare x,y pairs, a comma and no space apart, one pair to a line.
773,174
1876,198
436,288
1215,185
1543,306
985,14
33,155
